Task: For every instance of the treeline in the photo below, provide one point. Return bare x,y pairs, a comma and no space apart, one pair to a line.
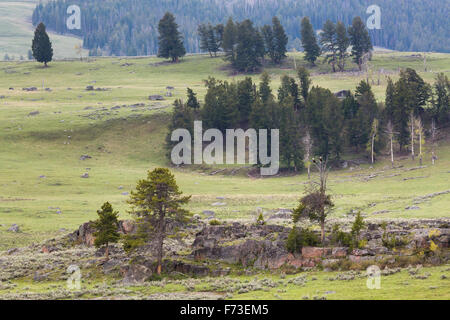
114,27
314,121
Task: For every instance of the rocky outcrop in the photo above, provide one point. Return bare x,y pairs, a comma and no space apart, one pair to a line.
263,246
85,233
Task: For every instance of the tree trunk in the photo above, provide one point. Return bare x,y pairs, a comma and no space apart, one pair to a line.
160,243
392,153
107,252
309,172
322,232
373,141
420,148
412,136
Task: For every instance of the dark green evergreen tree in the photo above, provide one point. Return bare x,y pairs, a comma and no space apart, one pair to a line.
269,41
220,109
106,227
192,101
441,101
41,45
309,41
229,40
249,47
280,41
246,96
182,118
265,92
170,39
360,41
328,41
342,44
305,81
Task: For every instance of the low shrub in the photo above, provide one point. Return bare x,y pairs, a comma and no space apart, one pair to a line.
299,238
215,222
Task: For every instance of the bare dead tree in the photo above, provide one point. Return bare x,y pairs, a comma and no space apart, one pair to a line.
420,133
411,130
308,144
434,134
390,132
322,167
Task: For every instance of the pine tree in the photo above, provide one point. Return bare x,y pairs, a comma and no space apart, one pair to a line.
265,92
246,97
441,102
328,42
291,151
269,41
305,81
309,41
280,41
106,227
157,200
204,41
342,43
360,41
170,39
249,47
229,40
41,45
213,39
192,101
182,118
220,108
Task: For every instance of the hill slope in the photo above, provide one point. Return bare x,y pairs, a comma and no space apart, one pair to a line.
130,27
16,32
40,153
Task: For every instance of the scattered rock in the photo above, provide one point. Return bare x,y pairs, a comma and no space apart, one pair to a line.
135,273
217,204
40,276
209,213
412,208
12,251
14,228
85,157
33,113
30,89
156,97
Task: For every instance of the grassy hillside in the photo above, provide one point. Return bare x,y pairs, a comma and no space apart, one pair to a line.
16,32
44,133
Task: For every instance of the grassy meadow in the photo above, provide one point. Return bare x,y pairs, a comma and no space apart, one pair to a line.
44,133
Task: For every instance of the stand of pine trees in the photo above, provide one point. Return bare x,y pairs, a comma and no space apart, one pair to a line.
245,45
313,121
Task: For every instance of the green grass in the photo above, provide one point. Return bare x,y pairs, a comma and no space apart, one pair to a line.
16,32
126,142
398,286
